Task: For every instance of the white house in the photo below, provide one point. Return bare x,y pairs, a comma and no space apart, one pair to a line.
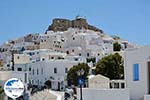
137,72
53,70
21,59
6,57
43,65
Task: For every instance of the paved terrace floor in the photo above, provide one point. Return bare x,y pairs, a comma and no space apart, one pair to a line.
43,95
59,95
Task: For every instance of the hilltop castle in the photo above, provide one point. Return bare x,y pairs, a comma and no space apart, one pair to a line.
60,24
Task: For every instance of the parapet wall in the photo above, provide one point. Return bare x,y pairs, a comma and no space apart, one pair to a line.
104,94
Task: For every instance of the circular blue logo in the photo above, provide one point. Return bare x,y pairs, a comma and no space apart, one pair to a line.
14,88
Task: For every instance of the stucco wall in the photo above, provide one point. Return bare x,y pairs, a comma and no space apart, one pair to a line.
104,94
48,70
99,81
5,75
137,56
146,97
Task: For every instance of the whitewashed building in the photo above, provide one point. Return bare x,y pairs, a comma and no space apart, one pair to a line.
43,65
137,72
54,70
75,42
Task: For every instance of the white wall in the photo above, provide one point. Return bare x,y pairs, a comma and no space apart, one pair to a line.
104,94
21,59
6,75
99,81
48,70
137,56
146,97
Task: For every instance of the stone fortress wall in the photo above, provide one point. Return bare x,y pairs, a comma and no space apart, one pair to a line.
59,24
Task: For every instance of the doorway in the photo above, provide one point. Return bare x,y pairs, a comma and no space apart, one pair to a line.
58,86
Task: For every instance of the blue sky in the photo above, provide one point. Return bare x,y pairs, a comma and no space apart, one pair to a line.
129,19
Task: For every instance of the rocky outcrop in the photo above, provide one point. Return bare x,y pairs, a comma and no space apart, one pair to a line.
63,25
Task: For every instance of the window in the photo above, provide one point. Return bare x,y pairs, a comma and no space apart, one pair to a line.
38,82
19,69
37,71
33,71
66,70
29,69
79,54
116,85
88,54
110,84
42,71
67,52
43,59
76,59
135,72
122,85
8,65
32,81
55,70
25,78
18,57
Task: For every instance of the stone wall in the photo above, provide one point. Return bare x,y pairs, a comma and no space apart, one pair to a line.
59,24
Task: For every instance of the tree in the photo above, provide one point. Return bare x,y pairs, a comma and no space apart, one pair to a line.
1,93
72,76
111,66
116,46
1,90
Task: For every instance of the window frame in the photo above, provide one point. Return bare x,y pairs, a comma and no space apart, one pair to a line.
55,70
136,72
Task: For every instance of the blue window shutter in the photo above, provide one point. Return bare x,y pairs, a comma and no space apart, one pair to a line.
135,72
